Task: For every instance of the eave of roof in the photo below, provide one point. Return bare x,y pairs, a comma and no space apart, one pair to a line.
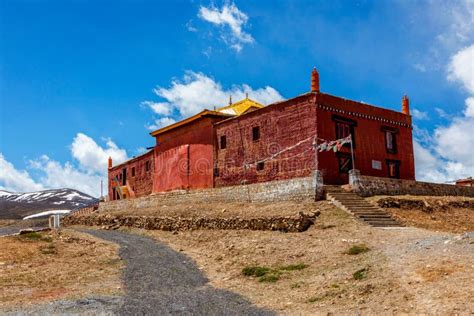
132,159
188,120
240,107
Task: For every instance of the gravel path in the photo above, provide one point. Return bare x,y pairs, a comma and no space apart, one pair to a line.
159,280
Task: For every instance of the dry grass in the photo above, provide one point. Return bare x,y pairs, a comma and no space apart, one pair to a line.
447,219
45,266
220,210
377,281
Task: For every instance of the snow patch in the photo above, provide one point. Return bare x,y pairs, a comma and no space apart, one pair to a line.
54,212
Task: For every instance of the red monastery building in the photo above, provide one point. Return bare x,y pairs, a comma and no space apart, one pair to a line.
246,142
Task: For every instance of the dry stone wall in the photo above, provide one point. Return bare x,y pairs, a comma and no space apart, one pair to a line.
298,223
370,186
297,189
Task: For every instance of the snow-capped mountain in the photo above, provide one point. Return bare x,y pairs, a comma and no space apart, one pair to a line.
19,205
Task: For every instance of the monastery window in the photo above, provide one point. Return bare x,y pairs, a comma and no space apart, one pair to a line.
223,142
393,168
260,165
344,128
390,135
147,166
255,133
133,171
345,162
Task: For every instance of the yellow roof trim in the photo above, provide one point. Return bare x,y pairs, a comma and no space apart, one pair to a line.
186,121
240,107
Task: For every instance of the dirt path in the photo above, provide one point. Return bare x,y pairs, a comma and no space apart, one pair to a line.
160,280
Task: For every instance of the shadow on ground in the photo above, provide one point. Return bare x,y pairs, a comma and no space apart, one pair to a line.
159,280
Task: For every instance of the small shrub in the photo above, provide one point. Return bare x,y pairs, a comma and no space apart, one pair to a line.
35,236
360,274
31,236
295,285
273,277
48,250
357,249
294,267
47,239
335,285
255,271
314,299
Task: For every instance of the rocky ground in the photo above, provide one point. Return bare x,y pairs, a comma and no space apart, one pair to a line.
407,270
447,213
43,267
339,265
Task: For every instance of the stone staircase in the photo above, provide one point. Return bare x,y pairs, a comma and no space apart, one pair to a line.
359,207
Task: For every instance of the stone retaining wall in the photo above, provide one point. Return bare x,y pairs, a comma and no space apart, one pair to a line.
297,223
370,186
297,189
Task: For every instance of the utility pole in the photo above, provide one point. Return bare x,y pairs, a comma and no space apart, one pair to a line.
101,188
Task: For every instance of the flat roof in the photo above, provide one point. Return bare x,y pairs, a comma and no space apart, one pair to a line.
133,158
307,94
188,120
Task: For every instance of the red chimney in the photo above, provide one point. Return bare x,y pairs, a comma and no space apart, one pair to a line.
110,162
405,105
314,80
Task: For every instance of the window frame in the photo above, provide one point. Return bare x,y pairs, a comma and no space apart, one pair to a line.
256,133
337,119
133,171
394,132
223,142
147,166
260,166
397,164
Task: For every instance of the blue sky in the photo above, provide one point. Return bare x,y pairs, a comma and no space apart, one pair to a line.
81,80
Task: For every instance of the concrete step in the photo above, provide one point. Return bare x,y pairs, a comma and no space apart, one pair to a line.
376,219
395,224
360,207
371,216
359,211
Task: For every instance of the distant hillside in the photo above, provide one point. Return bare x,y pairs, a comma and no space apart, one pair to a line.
19,205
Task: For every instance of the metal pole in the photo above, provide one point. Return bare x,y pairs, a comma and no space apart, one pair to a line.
352,154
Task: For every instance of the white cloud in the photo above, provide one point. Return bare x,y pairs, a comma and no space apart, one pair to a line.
419,115
57,175
461,68
15,180
469,111
231,20
160,108
456,19
83,173
161,122
197,92
420,67
93,157
448,155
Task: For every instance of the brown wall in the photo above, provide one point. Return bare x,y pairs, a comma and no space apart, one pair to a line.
369,138
281,125
285,124
142,182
